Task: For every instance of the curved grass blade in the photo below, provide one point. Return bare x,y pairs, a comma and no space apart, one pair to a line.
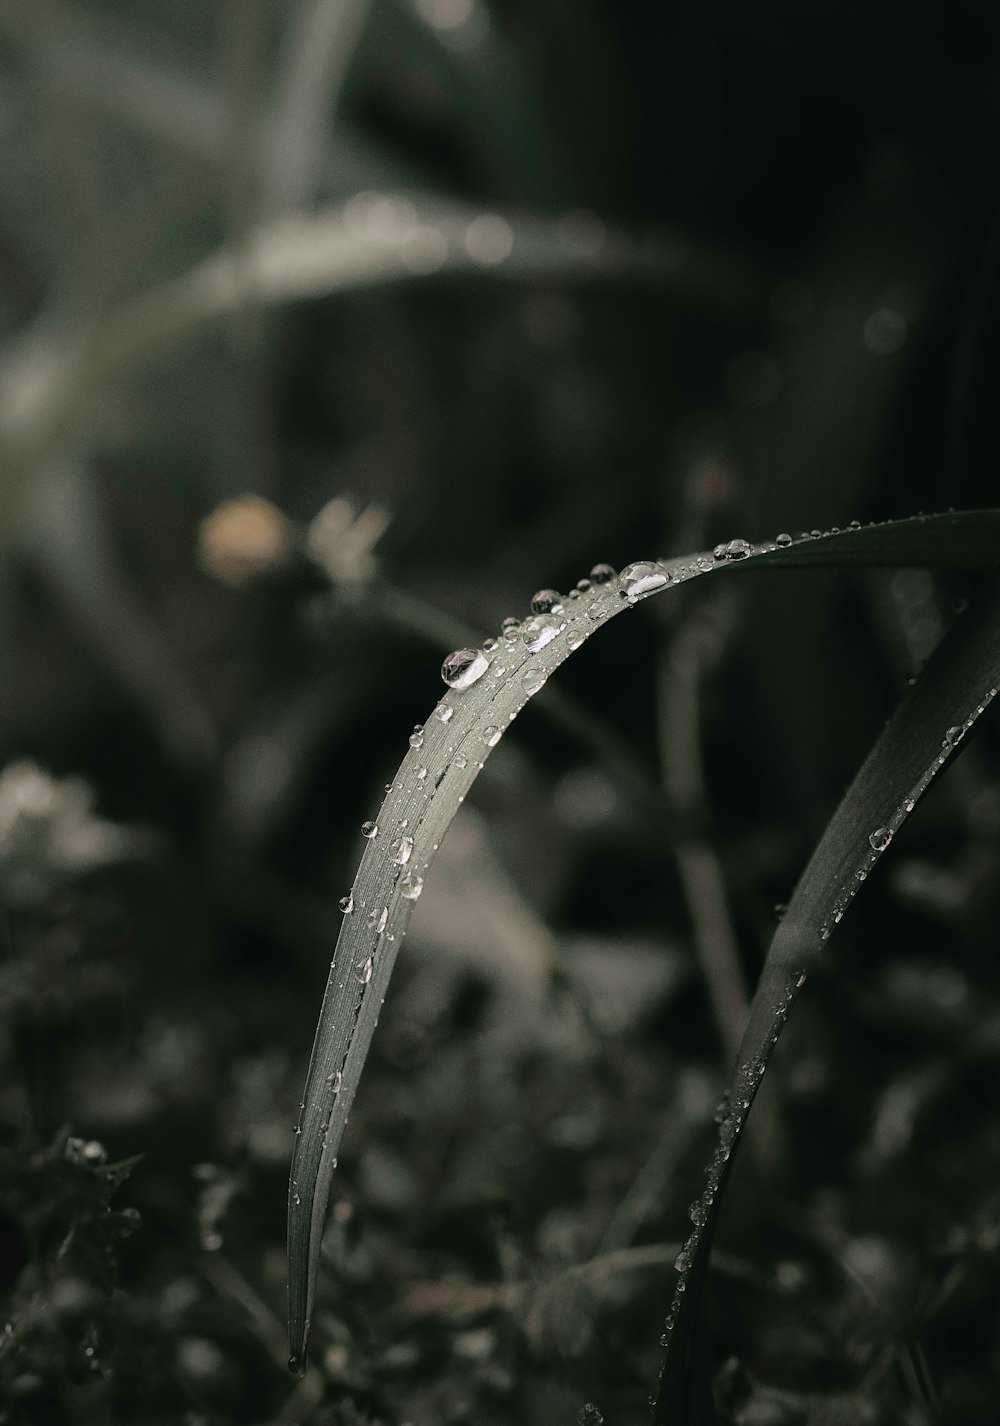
371,240
955,688
433,780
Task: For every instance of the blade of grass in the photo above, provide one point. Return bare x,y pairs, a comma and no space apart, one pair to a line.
51,375
433,780
320,41
957,685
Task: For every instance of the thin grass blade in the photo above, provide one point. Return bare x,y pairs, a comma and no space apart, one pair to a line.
433,780
933,720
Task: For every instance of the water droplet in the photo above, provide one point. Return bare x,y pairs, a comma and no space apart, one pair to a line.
461,761
574,640
297,1365
546,601
641,578
588,1415
462,668
783,539
602,574
953,736
510,627
400,850
583,585
539,631
444,712
334,1081
499,670
533,680
369,970
491,736
734,550
369,829
411,886
490,645
597,611
417,736
880,839
420,772
346,903
682,1261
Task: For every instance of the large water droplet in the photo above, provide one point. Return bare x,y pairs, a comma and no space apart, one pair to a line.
641,578
734,550
602,574
953,736
462,668
783,539
491,736
490,645
334,1081
546,601
369,829
510,628
539,631
533,680
400,850
346,903
411,886
444,712
377,919
880,839
417,736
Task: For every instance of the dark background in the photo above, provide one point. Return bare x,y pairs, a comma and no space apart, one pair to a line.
752,288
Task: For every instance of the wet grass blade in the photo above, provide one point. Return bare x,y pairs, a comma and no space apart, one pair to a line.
434,778
938,712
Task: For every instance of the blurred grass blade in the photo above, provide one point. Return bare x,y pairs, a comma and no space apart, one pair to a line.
50,376
436,775
321,38
938,712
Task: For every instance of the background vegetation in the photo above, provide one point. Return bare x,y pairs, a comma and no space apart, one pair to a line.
476,297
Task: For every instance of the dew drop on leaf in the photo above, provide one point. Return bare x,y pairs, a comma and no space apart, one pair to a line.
490,645
546,601
491,736
538,632
400,850
411,886
783,539
369,829
346,903
417,736
533,680
602,574
641,578
444,712
462,668
953,736
880,839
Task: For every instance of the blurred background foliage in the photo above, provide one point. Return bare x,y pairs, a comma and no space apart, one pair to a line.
467,297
